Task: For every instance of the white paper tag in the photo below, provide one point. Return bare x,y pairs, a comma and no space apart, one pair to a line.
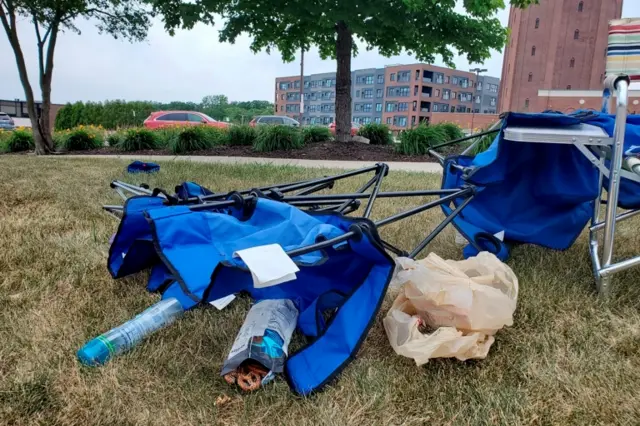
499,235
269,265
222,303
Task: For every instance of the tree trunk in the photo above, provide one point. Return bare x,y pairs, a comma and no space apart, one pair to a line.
41,136
343,82
44,122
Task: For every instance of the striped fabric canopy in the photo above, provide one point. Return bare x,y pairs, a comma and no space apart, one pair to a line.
623,53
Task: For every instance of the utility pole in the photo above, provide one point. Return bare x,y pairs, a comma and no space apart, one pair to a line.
301,84
473,101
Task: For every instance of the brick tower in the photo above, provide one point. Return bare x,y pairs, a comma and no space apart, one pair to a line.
555,45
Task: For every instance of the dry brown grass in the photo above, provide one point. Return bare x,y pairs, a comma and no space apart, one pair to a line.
570,358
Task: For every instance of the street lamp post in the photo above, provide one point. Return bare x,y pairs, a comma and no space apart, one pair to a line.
473,110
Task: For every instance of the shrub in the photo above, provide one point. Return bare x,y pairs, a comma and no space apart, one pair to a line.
452,131
82,138
115,138
136,140
316,134
241,135
18,140
484,143
378,134
419,140
275,138
195,138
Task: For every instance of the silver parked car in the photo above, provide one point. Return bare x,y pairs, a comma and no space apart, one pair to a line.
274,120
6,122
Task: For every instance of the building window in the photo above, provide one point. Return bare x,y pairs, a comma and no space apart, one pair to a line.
281,108
357,93
367,107
377,120
388,120
400,121
572,63
378,107
454,81
398,91
569,87
580,6
415,105
392,77
357,107
417,75
391,107
479,85
533,51
403,106
367,93
478,99
537,22
378,93
526,103
446,93
381,79
576,34
404,76
435,108
530,77
493,102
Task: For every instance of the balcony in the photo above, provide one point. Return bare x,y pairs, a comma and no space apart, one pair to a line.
424,109
426,95
427,80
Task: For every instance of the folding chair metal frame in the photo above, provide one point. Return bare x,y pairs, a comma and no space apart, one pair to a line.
304,196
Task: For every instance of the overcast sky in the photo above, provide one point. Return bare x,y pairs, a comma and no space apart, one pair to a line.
186,67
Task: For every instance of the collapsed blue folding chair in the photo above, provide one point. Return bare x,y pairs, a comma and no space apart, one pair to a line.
187,240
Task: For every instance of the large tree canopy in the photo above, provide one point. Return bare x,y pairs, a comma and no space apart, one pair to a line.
129,19
423,28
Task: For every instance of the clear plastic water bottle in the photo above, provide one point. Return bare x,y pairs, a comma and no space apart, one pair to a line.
122,338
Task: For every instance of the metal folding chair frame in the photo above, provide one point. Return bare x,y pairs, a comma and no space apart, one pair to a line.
304,195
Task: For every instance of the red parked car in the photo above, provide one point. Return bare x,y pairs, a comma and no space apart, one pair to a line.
160,119
354,128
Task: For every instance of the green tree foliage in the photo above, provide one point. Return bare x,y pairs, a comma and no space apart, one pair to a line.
128,19
117,113
424,28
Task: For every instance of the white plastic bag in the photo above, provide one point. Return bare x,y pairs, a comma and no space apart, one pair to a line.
466,301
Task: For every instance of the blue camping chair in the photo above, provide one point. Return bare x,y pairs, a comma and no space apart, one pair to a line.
541,181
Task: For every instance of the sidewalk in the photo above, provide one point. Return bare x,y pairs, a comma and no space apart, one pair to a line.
330,164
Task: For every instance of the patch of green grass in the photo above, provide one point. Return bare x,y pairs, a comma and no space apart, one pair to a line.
451,130
138,139
17,141
378,134
569,358
241,135
313,134
182,140
419,140
82,138
278,138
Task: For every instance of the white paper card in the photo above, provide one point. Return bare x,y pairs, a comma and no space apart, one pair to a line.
269,265
499,235
222,303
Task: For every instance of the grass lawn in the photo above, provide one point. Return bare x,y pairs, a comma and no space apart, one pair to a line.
570,357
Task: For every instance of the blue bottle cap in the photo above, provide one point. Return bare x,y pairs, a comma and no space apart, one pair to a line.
95,352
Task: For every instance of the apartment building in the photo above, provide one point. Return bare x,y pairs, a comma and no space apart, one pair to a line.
400,96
